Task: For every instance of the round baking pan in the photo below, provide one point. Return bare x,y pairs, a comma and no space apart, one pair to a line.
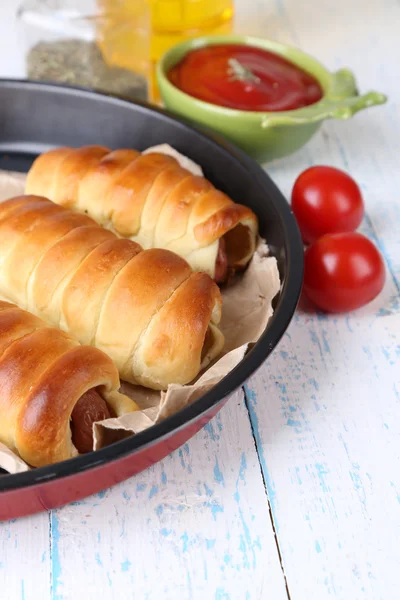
35,117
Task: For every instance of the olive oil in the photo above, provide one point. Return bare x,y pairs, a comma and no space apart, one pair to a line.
135,33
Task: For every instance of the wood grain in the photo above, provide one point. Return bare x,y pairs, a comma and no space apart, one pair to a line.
196,525
24,559
326,406
320,425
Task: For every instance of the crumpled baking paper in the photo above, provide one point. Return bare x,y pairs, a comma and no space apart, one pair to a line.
247,308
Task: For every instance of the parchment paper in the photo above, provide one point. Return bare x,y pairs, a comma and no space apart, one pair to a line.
247,308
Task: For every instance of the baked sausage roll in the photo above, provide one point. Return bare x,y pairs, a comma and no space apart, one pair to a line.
146,309
52,389
151,199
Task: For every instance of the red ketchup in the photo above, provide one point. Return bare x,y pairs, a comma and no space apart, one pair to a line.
244,78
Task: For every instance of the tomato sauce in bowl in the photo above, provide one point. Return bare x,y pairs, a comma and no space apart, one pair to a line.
244,77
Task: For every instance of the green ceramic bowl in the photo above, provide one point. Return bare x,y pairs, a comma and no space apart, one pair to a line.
266,135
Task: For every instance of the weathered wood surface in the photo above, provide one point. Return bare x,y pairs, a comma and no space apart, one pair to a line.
295,490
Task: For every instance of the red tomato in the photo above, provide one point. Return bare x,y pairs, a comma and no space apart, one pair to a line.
326,200
343,271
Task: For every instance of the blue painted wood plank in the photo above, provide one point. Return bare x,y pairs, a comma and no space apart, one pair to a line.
25,558
194,526
325,409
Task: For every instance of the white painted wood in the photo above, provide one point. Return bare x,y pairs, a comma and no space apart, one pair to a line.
194,526
329,437
325,408
24,559
12,62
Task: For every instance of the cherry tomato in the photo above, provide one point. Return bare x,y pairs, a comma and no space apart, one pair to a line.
343,271
326,200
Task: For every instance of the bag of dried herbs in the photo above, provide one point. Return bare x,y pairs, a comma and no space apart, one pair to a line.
80,63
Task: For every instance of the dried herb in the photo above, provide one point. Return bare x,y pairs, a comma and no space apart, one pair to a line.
79,63
238,72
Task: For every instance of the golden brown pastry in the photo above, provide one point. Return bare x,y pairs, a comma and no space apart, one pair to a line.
52,389
152,200
146,309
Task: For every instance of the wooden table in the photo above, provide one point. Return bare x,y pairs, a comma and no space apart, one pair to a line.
293,491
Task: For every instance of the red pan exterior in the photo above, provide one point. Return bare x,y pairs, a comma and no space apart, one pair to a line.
114,123
45,496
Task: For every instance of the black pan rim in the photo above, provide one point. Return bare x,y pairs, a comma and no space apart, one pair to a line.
289,296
